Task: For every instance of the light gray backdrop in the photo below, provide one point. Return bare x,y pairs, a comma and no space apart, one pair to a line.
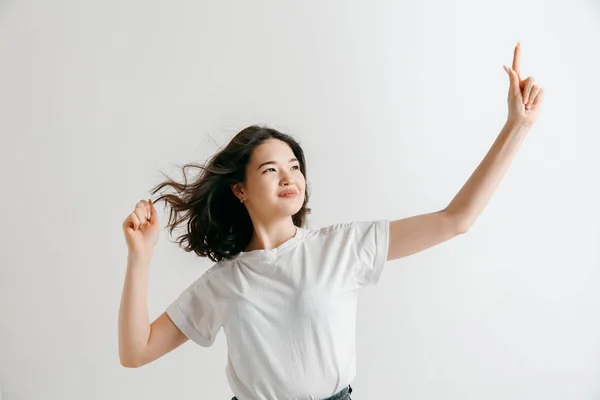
395,103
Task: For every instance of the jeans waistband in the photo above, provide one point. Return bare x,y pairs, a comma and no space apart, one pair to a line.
341,395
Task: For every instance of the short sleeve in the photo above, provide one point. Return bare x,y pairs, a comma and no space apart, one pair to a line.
195,312
370,239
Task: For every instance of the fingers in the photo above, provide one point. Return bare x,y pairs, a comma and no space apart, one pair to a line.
527,89
534,93
539,98
517,60
141,214
135,221
145,207
152,211
514,91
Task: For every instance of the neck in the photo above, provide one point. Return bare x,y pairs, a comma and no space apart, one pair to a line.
270,237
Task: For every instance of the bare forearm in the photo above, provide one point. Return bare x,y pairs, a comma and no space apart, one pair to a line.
468,204
134,324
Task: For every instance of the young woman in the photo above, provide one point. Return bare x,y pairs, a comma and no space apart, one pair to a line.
284,294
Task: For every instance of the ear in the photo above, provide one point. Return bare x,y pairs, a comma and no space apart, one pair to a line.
237,190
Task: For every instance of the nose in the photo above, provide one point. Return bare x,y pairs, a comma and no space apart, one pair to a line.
287,179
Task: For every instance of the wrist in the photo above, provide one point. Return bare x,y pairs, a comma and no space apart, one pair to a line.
138,257
518,126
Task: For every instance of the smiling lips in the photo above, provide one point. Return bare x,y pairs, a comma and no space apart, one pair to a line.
288,193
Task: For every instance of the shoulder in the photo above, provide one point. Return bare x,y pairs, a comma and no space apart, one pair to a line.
212,275
350,226
333,228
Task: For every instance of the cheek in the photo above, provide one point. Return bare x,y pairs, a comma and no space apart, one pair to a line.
261,187
302,188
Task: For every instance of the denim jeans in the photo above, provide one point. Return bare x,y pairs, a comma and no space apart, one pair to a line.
343,394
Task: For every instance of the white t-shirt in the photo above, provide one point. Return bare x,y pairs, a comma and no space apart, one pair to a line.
289,313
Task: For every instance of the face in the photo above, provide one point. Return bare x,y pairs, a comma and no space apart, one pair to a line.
272,169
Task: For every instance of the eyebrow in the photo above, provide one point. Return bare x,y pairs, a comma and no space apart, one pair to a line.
273,162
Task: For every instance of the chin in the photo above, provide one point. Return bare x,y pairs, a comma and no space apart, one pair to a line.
289,209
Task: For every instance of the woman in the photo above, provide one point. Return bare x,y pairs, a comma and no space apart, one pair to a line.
284,294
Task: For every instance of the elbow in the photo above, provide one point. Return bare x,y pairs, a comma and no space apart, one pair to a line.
130,362
462,227
131,355
127,363
461,224
462,230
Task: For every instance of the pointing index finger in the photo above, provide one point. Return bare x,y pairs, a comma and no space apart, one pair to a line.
517,60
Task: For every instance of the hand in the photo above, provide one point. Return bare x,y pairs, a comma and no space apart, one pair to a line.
141,229
524,96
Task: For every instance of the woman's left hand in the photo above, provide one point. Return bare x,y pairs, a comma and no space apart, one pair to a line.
524,96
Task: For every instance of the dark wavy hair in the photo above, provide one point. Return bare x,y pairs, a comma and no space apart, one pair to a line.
218,224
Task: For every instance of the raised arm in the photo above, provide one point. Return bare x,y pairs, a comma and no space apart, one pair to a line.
139,341
414,234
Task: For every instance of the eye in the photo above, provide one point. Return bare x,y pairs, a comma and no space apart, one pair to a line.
268,169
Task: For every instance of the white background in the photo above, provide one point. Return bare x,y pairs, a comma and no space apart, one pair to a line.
395,104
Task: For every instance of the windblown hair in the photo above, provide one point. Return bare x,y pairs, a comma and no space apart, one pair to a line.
218,225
